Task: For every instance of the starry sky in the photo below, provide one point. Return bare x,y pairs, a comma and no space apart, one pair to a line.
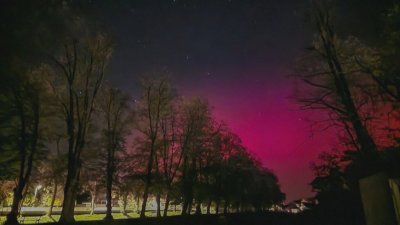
237,54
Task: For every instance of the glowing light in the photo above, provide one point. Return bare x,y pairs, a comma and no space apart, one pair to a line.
37,189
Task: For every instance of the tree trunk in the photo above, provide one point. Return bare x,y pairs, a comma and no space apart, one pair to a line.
124,203
166,204
67,213
53,199
109,186
70,190
189,210
198,208
144,201
185,207
12,216
93,203
208,206
217,207
187,198
158,200
137,203
226,207
148,179
20,192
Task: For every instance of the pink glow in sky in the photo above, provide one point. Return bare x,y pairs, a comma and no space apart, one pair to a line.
269,124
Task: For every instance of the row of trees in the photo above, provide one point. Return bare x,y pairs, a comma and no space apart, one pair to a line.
176,151
185,148
64,126
357,87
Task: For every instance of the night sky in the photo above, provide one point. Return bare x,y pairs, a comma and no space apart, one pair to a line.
237,54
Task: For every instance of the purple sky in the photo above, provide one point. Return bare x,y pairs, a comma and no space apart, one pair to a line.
268,122
237,54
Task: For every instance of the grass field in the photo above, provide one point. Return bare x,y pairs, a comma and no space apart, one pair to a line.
85,217
248,218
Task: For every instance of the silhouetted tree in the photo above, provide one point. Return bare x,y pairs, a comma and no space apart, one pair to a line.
156,98
23,49
23,100
82,66
329,71
170,153
196,120
114,107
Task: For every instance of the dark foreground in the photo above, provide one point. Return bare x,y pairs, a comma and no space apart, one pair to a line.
308,218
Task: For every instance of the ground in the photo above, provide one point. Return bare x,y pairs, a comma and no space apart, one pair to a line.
250,218
85,217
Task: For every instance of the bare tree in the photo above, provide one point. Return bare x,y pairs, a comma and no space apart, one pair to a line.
115,111
170,154
196,120
157,95
82,66
25,97
328,73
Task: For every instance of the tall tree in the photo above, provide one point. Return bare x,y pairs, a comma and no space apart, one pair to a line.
23,97
115,111
156,98
196,122
329,71
36,33
82,67
170,152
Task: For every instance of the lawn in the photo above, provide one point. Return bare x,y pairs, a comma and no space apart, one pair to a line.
84,217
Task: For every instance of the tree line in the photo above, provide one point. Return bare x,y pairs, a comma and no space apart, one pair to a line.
63,125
